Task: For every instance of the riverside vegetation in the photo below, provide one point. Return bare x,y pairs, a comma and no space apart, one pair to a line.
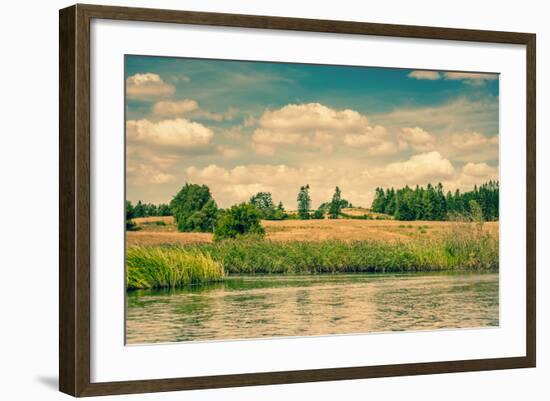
240,246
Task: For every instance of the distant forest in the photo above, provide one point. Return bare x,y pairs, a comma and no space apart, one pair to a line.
431,203
147,210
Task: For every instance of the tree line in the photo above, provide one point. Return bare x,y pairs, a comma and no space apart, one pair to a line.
432,203
194,208
147,210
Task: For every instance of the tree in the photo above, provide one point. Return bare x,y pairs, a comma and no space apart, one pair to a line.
237,221
304,202
379,202
431,203
194,209
139,209
264,203
130,225
280,213
336,204
164,210
390,201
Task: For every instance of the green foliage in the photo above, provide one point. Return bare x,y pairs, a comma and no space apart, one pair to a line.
264,203
431,203
336,204
194,209
304,202
147,210
170,267
319,214
237,221
130,225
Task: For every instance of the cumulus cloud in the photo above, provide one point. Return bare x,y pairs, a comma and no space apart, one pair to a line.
470,146
171,108
479,170
177,133
189,108
472,140
418,168
418,139
140,173
472,174
317,127
424,74
148,86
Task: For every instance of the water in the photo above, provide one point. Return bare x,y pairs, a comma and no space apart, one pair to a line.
274,306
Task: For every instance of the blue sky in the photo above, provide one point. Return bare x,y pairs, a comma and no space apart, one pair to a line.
241,127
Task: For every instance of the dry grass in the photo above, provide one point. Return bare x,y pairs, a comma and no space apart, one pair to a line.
304,230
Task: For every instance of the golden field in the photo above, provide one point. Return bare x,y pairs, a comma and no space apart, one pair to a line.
162,230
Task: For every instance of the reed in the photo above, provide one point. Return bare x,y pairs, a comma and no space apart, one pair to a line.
161,267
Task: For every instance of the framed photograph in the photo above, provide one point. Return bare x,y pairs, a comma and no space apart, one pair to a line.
250,200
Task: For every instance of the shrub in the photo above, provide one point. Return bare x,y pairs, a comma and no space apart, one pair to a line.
238,220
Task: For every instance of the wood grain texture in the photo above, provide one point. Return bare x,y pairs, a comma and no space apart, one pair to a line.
74,199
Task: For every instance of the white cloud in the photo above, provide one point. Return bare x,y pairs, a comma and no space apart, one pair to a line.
424,167
190,108
178,133
478,170
174,108
472,78
424,74
470,147
314,126
418,139
472,140
470,175
148,86
140,173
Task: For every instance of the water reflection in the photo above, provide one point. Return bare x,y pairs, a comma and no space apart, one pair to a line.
269,306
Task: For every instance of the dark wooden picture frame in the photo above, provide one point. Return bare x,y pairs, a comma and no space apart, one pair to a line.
74,200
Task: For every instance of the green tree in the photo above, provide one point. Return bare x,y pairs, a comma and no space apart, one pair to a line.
280,213
336,204
264,203
139,209
130,225
304,202
194,209
164,210
238,220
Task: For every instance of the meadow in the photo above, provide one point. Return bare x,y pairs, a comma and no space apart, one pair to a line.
162,230
158,256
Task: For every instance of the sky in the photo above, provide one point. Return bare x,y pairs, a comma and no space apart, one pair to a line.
242,127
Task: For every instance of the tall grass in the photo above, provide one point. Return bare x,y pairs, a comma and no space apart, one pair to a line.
465,247
158,267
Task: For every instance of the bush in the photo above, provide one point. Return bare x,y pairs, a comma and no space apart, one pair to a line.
319,214
237,221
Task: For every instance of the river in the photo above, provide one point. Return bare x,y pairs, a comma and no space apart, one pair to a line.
274,306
